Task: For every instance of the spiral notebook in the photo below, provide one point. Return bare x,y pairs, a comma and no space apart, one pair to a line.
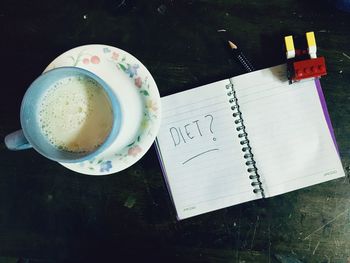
245,138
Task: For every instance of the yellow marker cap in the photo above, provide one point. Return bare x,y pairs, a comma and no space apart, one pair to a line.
288,40
310,37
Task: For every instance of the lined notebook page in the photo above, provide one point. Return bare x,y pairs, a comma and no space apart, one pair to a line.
287,129
200,151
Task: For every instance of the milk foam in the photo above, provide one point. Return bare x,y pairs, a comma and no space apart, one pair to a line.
76,114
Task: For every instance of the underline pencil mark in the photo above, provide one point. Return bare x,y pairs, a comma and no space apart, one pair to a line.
200,155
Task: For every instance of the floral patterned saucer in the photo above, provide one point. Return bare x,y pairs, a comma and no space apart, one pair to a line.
139,98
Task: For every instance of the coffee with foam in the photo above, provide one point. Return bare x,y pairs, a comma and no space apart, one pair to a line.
75,114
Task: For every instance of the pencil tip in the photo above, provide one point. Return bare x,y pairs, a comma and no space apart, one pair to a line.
232,45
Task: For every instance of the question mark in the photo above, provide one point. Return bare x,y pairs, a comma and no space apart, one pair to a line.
211,123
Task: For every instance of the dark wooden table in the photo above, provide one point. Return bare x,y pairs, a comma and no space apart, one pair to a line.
51,214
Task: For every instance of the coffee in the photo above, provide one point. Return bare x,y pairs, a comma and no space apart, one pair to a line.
75,114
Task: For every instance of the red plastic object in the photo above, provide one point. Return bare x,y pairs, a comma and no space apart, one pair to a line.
309,68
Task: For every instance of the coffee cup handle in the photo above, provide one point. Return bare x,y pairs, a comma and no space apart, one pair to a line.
16,141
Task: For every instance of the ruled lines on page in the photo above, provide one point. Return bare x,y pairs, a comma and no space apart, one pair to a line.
287,129
200,151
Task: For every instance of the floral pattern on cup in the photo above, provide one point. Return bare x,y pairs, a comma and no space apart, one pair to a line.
85,58
150,108
139,77
92,60
115,55
138,82
105,166
134,150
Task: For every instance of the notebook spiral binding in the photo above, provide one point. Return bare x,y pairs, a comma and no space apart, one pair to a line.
248,155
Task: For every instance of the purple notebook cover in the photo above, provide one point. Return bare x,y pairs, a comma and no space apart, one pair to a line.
325,112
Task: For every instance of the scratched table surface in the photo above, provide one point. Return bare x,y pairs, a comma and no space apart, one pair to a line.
51,214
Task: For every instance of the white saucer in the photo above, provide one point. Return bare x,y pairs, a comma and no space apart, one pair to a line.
138,94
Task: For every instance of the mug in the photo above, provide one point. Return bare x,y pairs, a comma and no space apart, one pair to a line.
68,115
